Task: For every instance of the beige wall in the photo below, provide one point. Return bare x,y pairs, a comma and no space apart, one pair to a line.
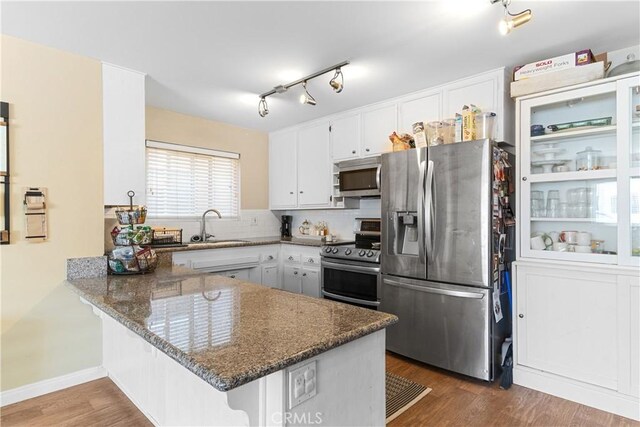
169,126
56,142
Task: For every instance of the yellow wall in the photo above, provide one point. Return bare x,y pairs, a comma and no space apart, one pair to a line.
169,126
56,142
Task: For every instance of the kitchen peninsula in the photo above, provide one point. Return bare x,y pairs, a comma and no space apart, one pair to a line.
200,349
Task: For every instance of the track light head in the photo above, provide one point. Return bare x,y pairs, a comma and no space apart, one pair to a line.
306,97
336,84
511,20
263,109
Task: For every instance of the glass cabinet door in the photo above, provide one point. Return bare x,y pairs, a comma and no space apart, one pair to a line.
629,177
569,175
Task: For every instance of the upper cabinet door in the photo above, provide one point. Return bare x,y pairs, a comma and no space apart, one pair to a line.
485,91
282,170
123,128
345,138
377,125
314,166
425,109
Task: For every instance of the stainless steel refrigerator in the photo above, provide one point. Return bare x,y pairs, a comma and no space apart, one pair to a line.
444,247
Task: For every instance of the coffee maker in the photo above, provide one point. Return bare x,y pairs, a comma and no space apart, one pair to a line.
285,227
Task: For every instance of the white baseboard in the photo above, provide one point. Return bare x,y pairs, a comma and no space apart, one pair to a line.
40,388
585,394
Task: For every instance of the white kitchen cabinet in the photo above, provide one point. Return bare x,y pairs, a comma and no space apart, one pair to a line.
314,166
566,322
270,276
576,322
310,282
291,279
123,127
423,109
377,125
488,91
283,184
345,138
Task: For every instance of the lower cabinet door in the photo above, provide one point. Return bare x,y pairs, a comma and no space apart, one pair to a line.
311,282
291,280
270,276
566,322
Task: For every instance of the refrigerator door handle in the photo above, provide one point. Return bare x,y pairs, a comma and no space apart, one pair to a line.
429,211
421,213
427,289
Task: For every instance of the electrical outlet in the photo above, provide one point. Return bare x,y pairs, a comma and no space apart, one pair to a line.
302,383
254,221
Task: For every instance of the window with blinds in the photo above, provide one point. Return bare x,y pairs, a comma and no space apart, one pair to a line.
186,181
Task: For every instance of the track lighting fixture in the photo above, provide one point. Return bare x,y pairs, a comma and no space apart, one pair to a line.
337,83
263,109
512,20
306,97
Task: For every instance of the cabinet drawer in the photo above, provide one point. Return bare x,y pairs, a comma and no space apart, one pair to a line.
270,256
291,258
311,260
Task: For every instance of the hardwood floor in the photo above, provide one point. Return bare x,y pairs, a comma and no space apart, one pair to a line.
96,403
454,401
460,401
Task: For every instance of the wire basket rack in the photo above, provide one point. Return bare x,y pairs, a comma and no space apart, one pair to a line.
132,260
131,215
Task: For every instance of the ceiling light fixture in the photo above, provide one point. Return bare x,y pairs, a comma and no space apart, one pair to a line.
511,20
336,84
306,97
263,108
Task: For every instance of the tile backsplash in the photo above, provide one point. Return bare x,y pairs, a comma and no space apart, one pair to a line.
340,221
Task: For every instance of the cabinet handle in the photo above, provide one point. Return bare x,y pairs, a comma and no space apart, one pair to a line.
233,276
304,274
353,152
521,316
290,192
291,258
301,192
524,178
270,257
366,149
310,260
295,273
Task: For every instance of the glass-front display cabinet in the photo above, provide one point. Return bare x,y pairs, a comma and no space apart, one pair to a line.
580,173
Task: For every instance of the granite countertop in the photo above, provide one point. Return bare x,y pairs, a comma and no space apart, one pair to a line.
226,331
248,241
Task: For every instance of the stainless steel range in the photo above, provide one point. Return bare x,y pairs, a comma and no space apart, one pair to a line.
351,273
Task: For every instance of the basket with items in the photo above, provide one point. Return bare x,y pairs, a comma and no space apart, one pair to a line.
129,257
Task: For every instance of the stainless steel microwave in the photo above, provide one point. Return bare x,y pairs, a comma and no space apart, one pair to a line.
360,178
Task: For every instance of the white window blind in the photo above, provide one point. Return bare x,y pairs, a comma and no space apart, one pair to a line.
186,181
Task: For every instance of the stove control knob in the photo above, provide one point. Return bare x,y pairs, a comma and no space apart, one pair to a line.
347,252
334,250
361,253
327,249
369,254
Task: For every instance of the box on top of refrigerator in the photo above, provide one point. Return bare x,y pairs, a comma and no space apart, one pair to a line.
563,62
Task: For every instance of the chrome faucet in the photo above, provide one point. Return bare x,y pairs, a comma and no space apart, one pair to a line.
204,236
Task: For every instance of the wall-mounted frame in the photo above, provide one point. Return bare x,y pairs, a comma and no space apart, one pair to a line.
5,209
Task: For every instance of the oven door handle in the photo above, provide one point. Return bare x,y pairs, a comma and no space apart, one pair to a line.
349,299
349,267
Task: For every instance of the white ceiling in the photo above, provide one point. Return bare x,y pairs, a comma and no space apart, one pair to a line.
212,59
